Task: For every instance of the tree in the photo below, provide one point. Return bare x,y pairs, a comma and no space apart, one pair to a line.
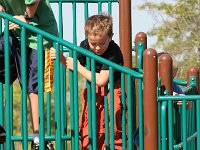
177,30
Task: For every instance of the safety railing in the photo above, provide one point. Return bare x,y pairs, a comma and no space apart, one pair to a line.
60,98
180,125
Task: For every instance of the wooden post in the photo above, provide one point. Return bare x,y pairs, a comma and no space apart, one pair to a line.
150,65
125,31
140,37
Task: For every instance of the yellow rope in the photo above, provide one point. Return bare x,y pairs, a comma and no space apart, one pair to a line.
48,72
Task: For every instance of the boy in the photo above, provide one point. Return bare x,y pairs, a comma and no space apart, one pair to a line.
99,32
37,13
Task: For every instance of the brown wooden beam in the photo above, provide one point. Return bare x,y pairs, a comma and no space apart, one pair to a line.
125,31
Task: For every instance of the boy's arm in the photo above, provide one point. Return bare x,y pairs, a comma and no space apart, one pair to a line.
101,78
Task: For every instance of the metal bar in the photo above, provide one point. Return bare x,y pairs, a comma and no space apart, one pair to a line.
7,83
24,88
112,121
76,104
94,133
41,91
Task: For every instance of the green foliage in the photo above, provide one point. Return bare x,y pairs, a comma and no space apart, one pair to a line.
177,30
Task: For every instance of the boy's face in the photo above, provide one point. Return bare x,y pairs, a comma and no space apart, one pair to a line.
99,43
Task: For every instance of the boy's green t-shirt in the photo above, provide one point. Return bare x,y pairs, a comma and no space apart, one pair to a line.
43,19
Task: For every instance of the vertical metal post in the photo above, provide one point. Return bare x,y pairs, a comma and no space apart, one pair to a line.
7,84
150,100
125,34
165,73
125,31
193,71
140,37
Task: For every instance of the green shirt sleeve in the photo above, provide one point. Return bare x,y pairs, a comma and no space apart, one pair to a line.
29,2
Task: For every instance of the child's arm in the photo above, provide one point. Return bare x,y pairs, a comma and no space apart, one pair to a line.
101,78
53,56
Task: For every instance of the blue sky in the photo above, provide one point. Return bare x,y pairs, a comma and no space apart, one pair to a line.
142,21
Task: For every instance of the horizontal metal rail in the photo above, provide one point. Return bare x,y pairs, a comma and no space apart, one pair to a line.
83,1
73,46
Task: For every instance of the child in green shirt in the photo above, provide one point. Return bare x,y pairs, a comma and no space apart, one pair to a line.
39,14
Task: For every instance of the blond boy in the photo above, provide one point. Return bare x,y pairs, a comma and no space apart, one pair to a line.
99,32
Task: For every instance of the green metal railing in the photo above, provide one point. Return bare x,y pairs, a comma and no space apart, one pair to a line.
61,123
179,130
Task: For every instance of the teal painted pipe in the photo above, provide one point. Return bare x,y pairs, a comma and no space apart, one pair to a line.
7,84
76,104
140,96
177,98
180,82
163,125
106,117
48,113
198,123
88,85
11,115
170,125
71,90
99,7
111,90
24,89
57,98
109,7
94,133
130,113
41,91
1,111
83,1
74,23
123,95
184,120
189,139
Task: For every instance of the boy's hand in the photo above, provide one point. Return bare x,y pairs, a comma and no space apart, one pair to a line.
14,25
188,104
52,53
69,63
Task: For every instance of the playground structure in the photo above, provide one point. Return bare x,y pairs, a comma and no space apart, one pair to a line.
162,125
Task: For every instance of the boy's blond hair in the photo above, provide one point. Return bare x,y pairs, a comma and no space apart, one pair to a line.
99,25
